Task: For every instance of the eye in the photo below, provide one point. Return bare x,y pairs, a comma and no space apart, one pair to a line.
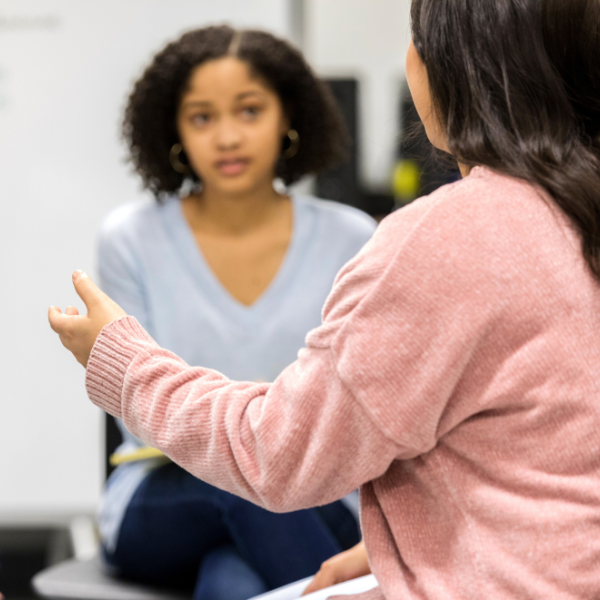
200,119
250,112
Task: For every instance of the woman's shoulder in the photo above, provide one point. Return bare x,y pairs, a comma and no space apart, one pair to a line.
482,218
344,219
465,236
485,201
133,220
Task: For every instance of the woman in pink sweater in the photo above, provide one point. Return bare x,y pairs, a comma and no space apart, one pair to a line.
455,375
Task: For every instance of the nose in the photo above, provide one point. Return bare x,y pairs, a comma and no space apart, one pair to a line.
228,135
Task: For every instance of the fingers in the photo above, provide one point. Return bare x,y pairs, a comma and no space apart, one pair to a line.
323,579
310,589
347,565
54,315
78,333
87,290
59,322
73,332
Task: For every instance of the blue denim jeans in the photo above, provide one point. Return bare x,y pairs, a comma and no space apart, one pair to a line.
181,532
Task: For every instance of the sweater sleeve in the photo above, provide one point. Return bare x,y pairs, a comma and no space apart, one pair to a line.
376,382
298,442
301,441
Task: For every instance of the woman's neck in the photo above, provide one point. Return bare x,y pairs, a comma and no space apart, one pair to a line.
232,214
465,170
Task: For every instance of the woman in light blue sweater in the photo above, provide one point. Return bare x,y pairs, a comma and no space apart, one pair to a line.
231,274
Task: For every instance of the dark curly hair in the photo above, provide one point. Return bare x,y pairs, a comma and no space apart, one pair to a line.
149,125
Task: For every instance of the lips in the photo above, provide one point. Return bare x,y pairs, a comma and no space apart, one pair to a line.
232,167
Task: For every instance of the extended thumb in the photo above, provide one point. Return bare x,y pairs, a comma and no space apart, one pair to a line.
86,289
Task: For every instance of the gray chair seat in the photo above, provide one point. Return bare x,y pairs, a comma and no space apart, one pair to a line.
86,580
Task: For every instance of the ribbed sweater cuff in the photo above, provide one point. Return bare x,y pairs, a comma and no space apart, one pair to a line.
115,348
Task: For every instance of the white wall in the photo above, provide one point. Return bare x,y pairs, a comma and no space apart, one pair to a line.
65,69
367,39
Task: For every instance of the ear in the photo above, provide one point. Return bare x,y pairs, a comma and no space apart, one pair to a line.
284,127
286,121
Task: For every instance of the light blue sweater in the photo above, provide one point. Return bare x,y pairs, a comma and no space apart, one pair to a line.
150,263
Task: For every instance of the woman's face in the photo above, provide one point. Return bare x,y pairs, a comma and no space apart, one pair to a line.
418,82
231,126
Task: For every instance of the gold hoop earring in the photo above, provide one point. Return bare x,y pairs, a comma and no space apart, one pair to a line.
294,138
175,160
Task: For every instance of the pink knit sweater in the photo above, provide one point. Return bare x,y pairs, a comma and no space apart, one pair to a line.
455,378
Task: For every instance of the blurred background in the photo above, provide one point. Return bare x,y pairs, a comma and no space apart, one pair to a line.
66,67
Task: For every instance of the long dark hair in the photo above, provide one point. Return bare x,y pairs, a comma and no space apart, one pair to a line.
516,85
149,125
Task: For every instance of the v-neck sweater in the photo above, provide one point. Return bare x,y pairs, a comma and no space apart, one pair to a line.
150,263
454,377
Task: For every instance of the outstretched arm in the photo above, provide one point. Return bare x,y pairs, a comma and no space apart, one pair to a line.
79,332
302,441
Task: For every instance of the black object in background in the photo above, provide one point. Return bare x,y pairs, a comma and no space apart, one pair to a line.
112,440
23,553
340,182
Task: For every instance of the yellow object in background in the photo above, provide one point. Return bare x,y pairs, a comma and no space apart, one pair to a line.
407,181
118,458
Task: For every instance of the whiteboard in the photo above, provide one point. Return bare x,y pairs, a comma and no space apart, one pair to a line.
66,67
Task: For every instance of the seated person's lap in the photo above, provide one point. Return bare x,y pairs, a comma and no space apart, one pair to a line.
174,520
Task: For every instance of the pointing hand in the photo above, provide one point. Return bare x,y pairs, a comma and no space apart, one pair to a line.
79,332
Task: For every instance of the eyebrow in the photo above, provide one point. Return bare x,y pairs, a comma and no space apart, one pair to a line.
245,95
203,103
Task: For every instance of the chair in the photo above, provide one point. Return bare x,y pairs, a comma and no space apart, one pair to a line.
87,579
